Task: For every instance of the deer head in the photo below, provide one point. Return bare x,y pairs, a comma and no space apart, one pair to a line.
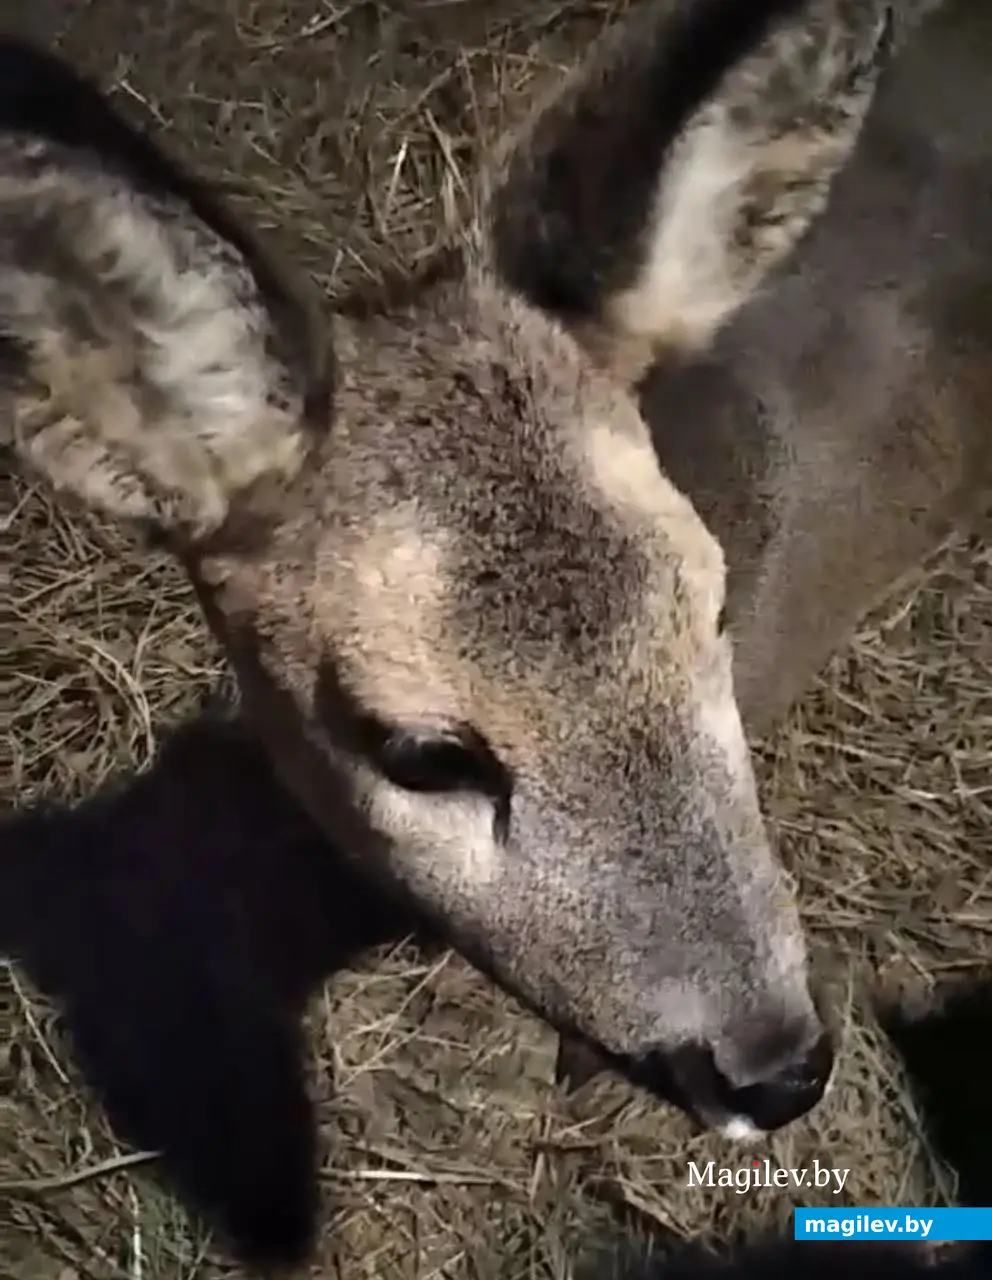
478,629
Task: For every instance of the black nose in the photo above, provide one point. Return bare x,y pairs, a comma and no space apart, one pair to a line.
790,1092
689,1078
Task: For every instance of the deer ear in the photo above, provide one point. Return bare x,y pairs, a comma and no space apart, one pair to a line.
157,364
650,197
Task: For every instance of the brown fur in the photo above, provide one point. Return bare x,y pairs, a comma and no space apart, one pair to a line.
484,559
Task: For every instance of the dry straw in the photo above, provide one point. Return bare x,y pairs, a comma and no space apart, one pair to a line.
346,129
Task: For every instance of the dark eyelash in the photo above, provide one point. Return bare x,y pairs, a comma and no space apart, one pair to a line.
439,764
460,760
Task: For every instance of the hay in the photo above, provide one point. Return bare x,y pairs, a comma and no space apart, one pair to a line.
346,128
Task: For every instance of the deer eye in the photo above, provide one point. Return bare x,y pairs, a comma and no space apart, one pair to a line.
428,761
722,621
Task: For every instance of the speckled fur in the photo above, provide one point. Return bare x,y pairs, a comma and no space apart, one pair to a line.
146,371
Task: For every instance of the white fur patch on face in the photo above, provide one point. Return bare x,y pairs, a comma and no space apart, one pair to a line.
440,840
740,1129
720,720
624,469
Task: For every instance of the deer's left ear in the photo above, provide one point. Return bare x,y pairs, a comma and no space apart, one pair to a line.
647,201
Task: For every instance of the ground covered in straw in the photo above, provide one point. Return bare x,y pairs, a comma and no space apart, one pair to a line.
344,129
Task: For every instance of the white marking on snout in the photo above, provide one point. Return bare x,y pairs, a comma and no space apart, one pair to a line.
740,1129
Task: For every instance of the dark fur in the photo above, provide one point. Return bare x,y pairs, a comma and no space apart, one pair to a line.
43,96
182,922
181,919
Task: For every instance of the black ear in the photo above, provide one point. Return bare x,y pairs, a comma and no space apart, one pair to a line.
652,195
180,919
162,364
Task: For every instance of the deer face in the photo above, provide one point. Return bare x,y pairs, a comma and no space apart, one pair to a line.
492,630
477,627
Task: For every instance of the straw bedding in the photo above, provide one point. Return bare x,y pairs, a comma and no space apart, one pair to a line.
344,129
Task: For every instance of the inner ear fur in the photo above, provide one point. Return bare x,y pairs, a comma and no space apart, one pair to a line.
648,199
156,362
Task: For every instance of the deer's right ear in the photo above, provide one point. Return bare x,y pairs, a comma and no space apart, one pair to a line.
154,363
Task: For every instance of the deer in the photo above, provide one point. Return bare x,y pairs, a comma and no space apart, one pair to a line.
512,563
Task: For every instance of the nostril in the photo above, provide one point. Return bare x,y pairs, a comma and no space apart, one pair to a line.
791,1092
811,1071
